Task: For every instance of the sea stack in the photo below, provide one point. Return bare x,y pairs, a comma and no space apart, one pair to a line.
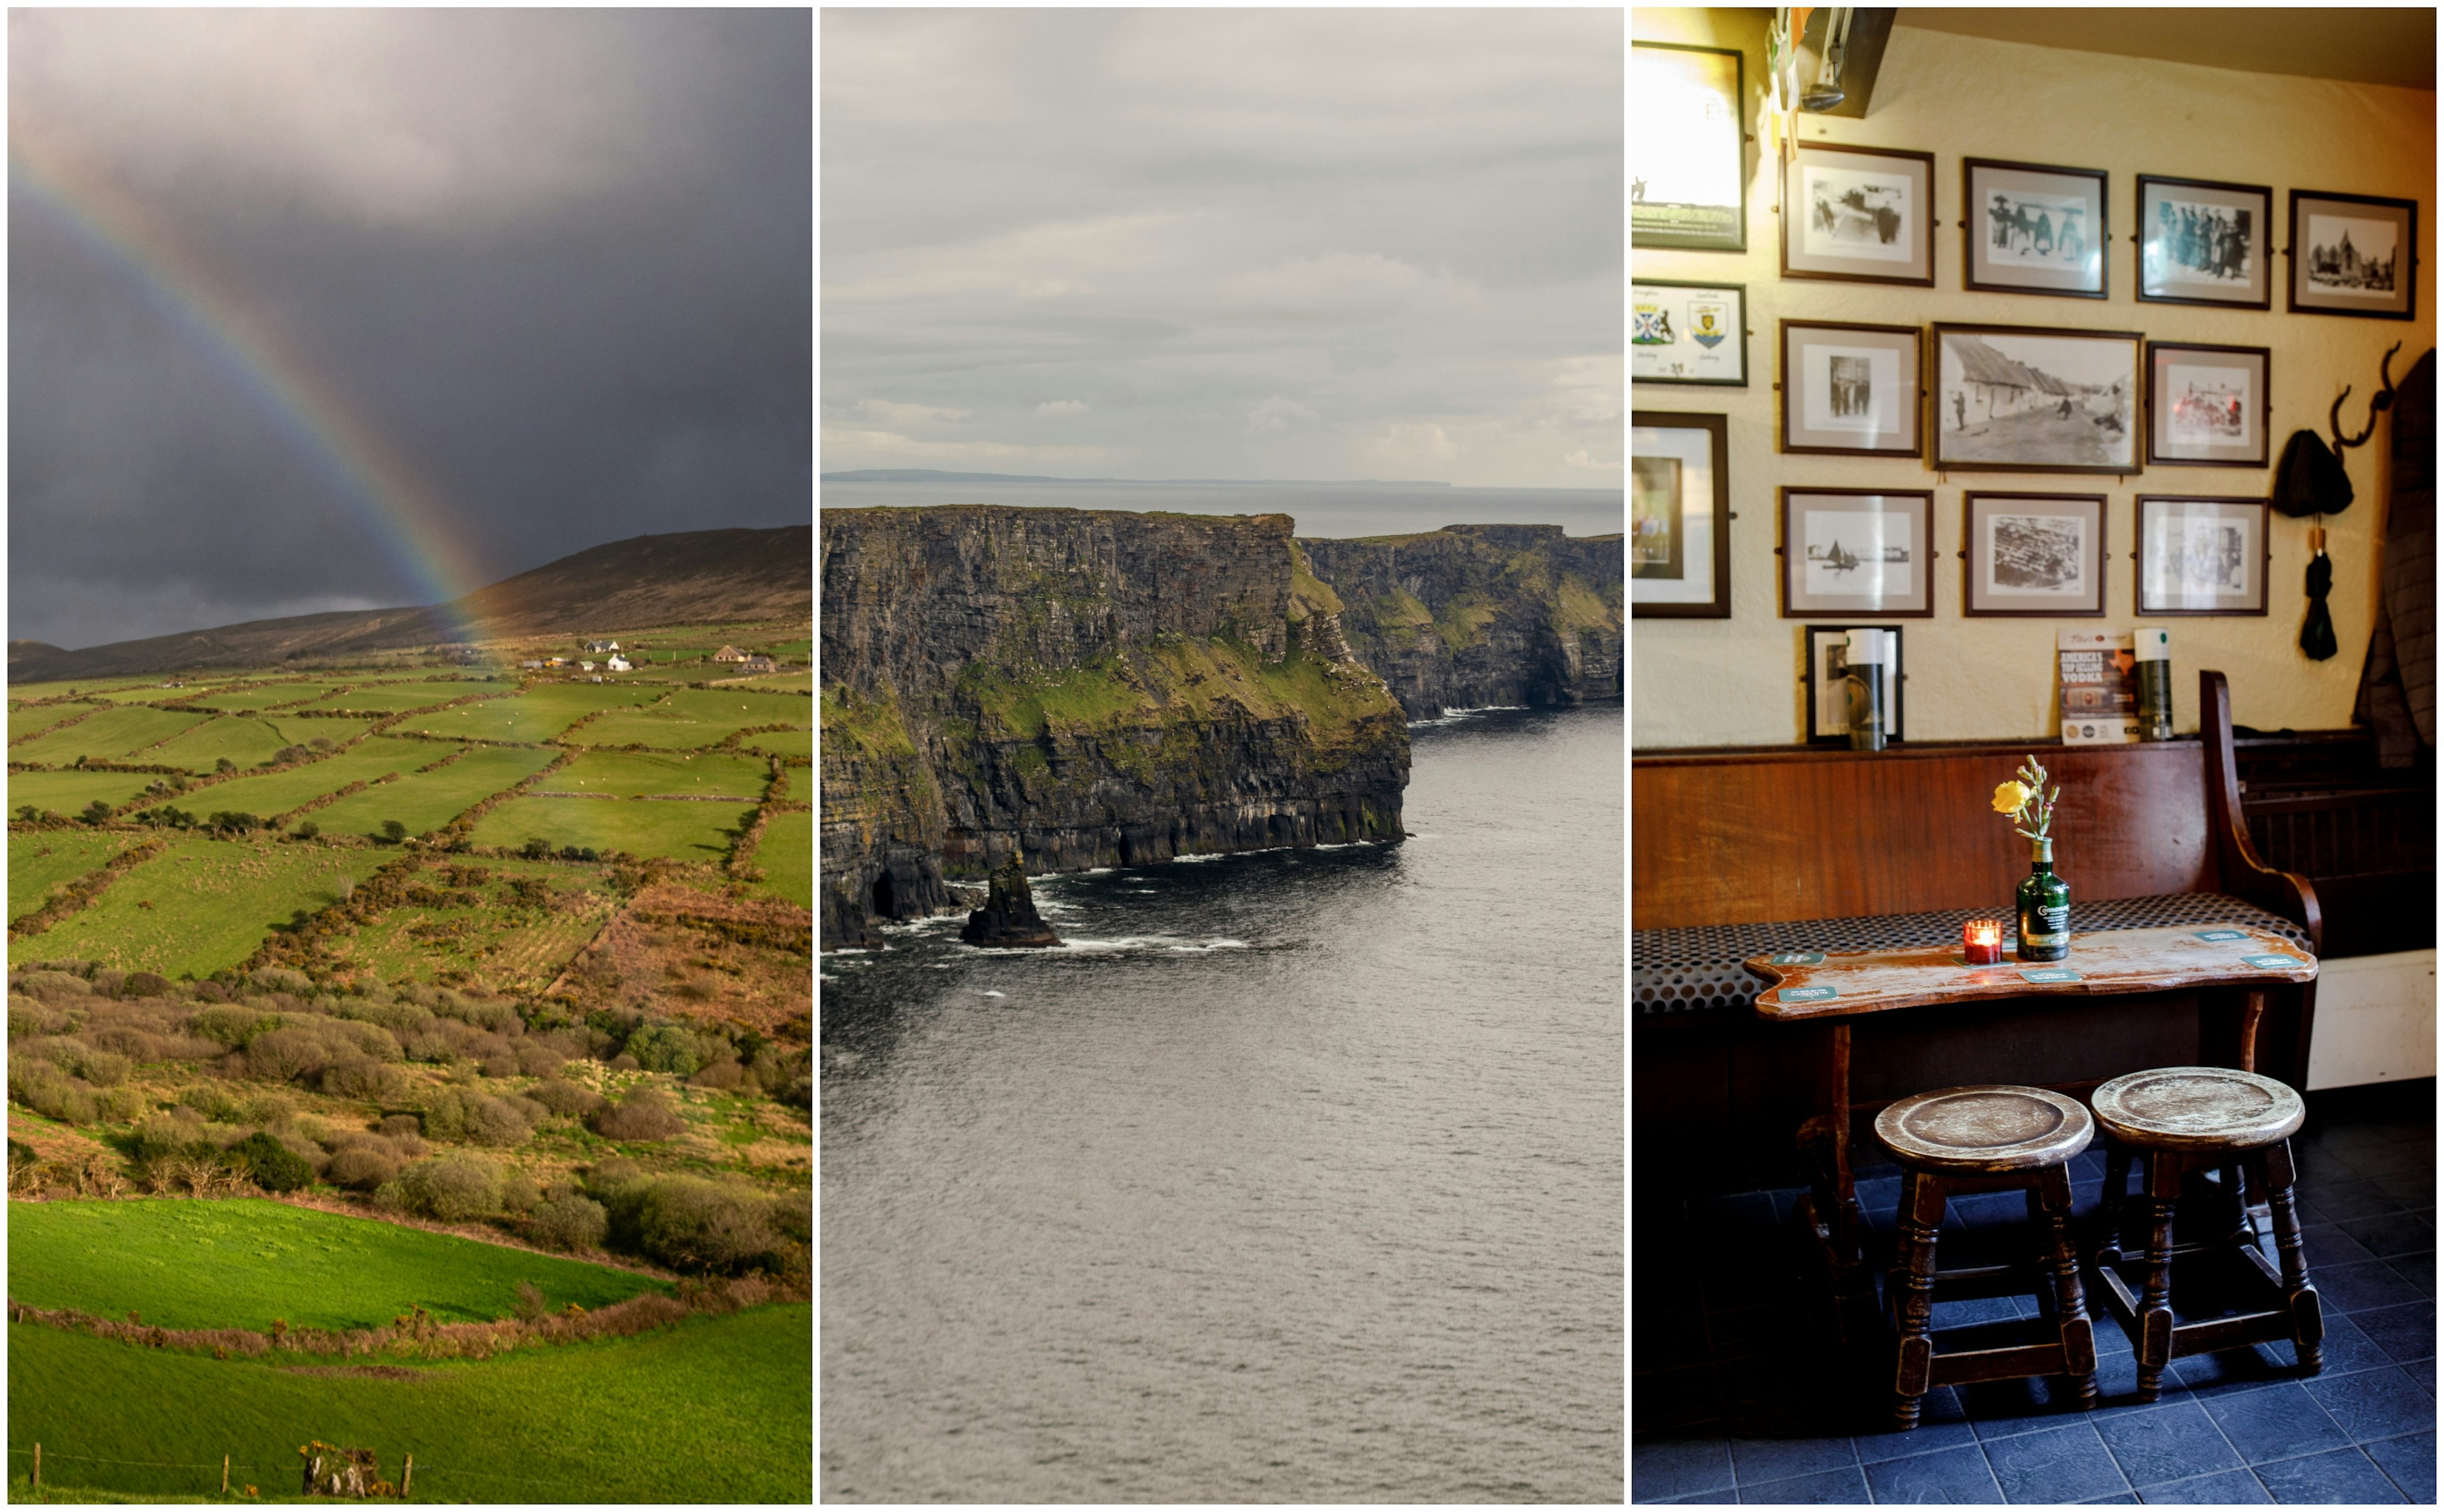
1009,918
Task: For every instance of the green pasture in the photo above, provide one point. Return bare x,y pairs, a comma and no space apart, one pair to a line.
260,696
212,903
627,774
514,949
696,717
242,1263
279,792
108,735
779,682
241,738
40,860
537,714
786,855
688,832
796,786
71,792
710,1409
19,692
798,742
148,692
427,801
40,717
296,732
391,698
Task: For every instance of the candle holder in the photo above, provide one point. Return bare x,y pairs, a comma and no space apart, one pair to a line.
1981,941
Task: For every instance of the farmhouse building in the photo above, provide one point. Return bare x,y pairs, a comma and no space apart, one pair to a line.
730,654
618,664
601,645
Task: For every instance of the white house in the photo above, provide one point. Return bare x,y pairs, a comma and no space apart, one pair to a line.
601,645
616,664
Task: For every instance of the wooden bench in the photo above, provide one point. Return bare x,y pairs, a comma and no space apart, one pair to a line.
1741,852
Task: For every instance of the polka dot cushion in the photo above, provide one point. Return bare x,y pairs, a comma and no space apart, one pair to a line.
1698,969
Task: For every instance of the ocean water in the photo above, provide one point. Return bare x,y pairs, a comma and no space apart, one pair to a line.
1296,1176
1332,510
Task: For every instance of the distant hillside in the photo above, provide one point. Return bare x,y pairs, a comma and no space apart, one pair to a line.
704,577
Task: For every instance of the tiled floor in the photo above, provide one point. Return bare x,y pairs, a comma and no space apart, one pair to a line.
1733,1399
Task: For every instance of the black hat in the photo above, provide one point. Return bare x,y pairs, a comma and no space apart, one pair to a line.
2310,479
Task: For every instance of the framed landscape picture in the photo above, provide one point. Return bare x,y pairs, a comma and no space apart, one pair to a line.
1688,187
2016,398
2033,230
1679,516
2353,254
2207,406
1856,551
1849,388
2202,243
2201,556
1829,676
1861,213
1689,333
2034,554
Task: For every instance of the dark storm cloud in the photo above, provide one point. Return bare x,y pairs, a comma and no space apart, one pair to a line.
1262,243
558,261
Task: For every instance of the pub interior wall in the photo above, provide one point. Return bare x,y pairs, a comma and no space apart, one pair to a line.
1736,681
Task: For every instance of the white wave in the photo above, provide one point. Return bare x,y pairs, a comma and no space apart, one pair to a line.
1169,943
996,994
1203,855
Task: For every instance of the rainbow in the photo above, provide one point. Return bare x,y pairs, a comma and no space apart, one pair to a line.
402,513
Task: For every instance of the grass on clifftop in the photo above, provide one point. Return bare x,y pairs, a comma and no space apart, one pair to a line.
1204,680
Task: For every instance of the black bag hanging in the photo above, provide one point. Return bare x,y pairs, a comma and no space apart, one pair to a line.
2312,481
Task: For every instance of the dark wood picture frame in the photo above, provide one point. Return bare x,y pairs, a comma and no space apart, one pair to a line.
1817,735
2263,412
1741,290
1971,556
1914,377
2139,556
1974,225
2263,240
1784,548
1792,217
2407,247
1664,240
1934,385
1717,429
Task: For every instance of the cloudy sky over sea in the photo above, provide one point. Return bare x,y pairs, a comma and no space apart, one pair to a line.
556,263
1224,244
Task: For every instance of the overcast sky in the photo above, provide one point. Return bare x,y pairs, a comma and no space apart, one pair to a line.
1254,244
557,260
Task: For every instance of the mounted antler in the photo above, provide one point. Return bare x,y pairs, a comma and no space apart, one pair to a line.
2382,401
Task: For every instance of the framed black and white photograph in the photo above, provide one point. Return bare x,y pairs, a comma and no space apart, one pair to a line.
2034,554
2353,254
2201,556
1688,186
1859,551
1828,683
2033,230
1689,333
2014,399
1865,215
1679,516
2203,242
1850,388
2207,406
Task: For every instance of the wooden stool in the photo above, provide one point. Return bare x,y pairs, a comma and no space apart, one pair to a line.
2184,1118
1972,1139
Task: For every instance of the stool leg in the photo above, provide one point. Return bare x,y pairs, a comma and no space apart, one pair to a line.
2052,1197
2164,1184
2235,1186
2109,1206
1921,1217
2274,1172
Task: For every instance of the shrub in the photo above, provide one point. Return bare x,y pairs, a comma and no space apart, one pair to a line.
31,1016
280,979
497,1122
231,1025
53,984
690,1222
567,1096
540,1060
363,1167
211,1101
103,1068
800,1093
47,1090
643,1116
363,1080
272,1165
568,1220
666,1047
284,1055
722,1074
452,1187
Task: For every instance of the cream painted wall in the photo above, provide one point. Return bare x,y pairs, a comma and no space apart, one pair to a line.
1707,682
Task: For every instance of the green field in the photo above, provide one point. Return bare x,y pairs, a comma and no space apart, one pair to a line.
19,692
241,738
786,855
68,792
390,698
282,791
689,832
779,682
694,717
25,722
427,801
517,949
212,903
796,786
537,714
266,695
112,733
40,860
296,732
625,774
798,742
711,1409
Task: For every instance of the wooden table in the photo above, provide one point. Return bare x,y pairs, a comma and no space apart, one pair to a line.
1825,992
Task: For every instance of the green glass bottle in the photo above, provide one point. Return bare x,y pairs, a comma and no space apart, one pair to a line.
2044,908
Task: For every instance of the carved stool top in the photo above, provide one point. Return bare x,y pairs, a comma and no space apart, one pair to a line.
2203,1108
1976,1129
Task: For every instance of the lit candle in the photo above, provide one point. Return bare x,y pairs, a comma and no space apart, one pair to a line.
1981,941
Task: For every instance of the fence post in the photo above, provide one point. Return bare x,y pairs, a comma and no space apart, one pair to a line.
38,1465
224,1475
407,1477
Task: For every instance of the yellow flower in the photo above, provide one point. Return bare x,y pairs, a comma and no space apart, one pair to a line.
2011,797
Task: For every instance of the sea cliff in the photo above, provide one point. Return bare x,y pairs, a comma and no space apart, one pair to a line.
1089,688
1474,615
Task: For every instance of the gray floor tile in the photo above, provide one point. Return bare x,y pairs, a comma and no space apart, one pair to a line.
1755,1461
2344,1476
1659,1469
2278,1423
2228,1488
1829,1488
2410,1462
2058,1465
1957,1475
2374,1404
2174,1441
